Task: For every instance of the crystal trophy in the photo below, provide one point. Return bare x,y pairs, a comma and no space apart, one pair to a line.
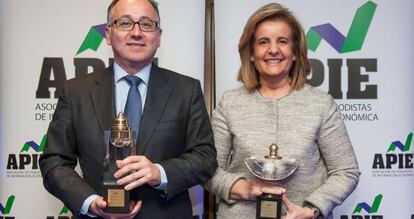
271,167
119,144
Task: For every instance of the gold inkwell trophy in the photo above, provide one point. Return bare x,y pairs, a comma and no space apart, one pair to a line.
119,144
271,167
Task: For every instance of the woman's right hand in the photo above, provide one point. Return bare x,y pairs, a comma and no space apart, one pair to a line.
250,189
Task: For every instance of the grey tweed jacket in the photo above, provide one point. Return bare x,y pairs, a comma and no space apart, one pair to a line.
305,125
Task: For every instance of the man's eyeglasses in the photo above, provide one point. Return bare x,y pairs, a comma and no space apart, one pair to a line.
127,24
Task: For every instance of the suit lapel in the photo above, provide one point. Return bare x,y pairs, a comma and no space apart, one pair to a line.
159,91
102,95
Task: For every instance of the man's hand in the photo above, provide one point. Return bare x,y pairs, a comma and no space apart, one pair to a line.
99,204
135,171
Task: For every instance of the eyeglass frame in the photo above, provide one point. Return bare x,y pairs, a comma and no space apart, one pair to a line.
111,23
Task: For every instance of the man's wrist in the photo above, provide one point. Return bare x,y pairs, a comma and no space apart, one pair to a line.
86,205
163,178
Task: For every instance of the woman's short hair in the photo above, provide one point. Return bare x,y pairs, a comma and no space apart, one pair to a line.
301,66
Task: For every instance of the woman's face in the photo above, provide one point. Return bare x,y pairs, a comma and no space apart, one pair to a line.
273,49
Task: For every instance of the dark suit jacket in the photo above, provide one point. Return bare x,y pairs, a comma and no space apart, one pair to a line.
175,132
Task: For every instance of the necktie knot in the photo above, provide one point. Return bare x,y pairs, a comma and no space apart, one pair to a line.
132,80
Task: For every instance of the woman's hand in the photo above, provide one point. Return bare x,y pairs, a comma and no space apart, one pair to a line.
295,211
250,189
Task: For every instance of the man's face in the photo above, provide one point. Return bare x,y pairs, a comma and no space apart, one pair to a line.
133,49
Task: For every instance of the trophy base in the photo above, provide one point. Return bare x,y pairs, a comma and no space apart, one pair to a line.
269,206
117,199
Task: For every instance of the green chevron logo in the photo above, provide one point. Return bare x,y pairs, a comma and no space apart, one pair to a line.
93,39
403,147
5,210
370,209
64,211
355,37
34,145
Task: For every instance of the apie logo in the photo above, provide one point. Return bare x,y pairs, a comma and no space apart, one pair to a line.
397,162
346,78
93,39
26,164
5,209
369,209
355,37
403,147
36,147
53,72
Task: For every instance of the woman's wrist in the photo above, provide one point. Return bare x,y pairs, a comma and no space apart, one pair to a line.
314,210
240,190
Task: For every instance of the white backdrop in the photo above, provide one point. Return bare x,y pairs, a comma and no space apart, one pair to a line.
374,120
34,30
37,33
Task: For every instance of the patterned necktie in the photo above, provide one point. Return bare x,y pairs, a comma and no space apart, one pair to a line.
133,106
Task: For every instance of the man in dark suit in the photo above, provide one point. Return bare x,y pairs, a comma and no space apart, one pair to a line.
175,141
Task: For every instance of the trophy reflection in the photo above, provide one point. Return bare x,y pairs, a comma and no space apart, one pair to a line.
119,144
271,167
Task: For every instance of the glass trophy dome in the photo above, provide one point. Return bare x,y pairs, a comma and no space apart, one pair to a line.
269,169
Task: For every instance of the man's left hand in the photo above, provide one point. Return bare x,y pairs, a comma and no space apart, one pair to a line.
135,171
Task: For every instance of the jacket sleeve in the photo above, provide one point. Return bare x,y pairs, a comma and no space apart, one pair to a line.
198,162
222,181
336,149
60,158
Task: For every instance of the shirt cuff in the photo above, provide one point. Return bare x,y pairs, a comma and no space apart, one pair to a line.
164,180
85,207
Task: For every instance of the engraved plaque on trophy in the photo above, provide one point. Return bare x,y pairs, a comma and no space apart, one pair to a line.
271,167
119,144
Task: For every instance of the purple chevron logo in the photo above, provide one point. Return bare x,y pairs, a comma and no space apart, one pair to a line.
34,145
370,209
331,35
403,147
355,37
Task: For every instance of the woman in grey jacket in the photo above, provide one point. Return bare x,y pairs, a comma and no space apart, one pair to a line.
275,105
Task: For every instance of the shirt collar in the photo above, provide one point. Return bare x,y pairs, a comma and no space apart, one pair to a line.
119,73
